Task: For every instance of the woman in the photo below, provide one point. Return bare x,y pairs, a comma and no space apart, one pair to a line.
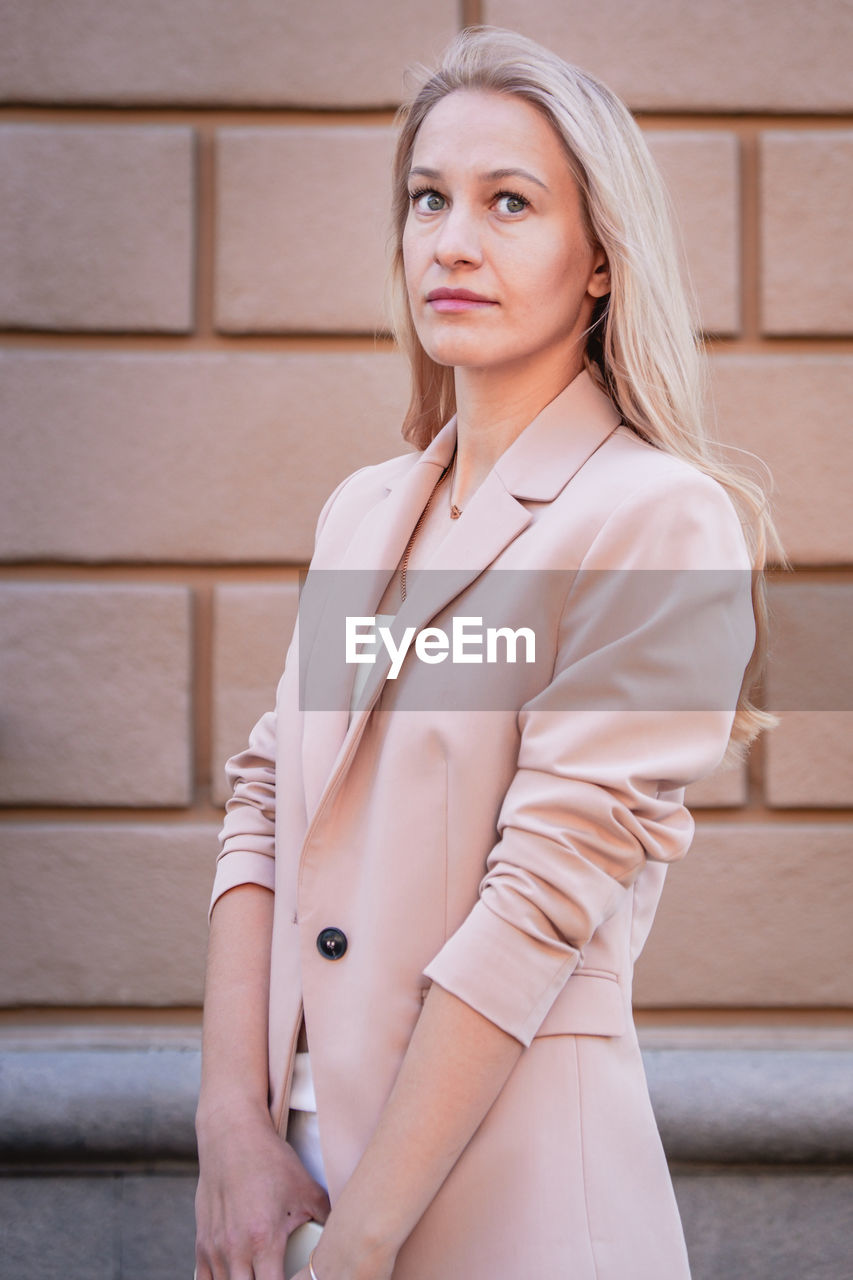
460,891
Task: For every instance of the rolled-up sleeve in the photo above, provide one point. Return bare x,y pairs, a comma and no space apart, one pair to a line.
655,634
247,837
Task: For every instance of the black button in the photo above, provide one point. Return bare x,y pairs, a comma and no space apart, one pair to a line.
332,943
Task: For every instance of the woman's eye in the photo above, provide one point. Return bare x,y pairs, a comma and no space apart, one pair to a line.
427,201
511,202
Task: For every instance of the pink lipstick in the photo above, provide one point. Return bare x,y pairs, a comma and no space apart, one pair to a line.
450,300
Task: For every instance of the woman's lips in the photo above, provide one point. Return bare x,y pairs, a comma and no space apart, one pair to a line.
448,300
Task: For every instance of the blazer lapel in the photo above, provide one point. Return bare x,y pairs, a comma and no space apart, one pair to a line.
535,468
353,588
493,518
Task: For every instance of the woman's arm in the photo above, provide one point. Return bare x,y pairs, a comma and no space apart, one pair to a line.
455,1067
253,1190
234,1050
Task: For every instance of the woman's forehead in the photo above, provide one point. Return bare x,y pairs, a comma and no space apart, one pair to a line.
489,130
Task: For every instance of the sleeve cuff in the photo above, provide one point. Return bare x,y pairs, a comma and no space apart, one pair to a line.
506,975
241,867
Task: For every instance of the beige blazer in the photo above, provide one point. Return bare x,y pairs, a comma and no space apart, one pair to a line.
513,851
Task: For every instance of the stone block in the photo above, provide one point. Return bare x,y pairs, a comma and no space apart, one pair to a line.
96,702
59,1226
792,411
811,644
700,169
212,52
809,756
807,256
98,1227
809,759
252,627
104,913
97,1103
118,456
303,217
668,55
724,789
755,915
759,1223
96,227
157,1225
770,1105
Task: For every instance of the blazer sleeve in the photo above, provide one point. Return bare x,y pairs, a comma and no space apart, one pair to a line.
247,836
655,634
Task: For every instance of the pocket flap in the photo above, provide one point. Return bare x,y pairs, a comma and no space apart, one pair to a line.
590,1004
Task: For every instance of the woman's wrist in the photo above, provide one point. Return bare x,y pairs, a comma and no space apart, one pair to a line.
329,1263
349,1251
227,1109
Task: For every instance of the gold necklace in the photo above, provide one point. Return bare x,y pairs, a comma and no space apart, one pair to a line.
455,513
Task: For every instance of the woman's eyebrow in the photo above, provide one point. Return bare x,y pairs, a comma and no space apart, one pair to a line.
495,175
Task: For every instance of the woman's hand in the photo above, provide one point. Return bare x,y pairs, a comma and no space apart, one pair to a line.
324,1269
253,1191
339,1258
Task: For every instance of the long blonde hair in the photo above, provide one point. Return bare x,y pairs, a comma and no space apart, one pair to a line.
641,346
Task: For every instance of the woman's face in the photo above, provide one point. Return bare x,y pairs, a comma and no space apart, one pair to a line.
498,267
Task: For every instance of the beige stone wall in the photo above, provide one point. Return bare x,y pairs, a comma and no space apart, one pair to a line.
192,232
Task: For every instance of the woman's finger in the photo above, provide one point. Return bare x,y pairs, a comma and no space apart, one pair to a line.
319,1203
228,1269
270,1266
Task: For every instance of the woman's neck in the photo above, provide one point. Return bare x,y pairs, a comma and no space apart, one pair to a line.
492,410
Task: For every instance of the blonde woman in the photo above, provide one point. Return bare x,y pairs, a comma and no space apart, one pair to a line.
418,1019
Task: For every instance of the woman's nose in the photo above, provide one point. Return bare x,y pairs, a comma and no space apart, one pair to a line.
458,240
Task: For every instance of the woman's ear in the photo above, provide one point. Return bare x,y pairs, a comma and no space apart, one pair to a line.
599,283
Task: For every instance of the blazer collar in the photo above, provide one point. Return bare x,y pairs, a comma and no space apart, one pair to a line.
544,457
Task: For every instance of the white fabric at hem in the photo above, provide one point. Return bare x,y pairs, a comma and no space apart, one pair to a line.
303,1131
302,1085
303,1134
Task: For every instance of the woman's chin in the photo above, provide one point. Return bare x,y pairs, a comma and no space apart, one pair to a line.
460,354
